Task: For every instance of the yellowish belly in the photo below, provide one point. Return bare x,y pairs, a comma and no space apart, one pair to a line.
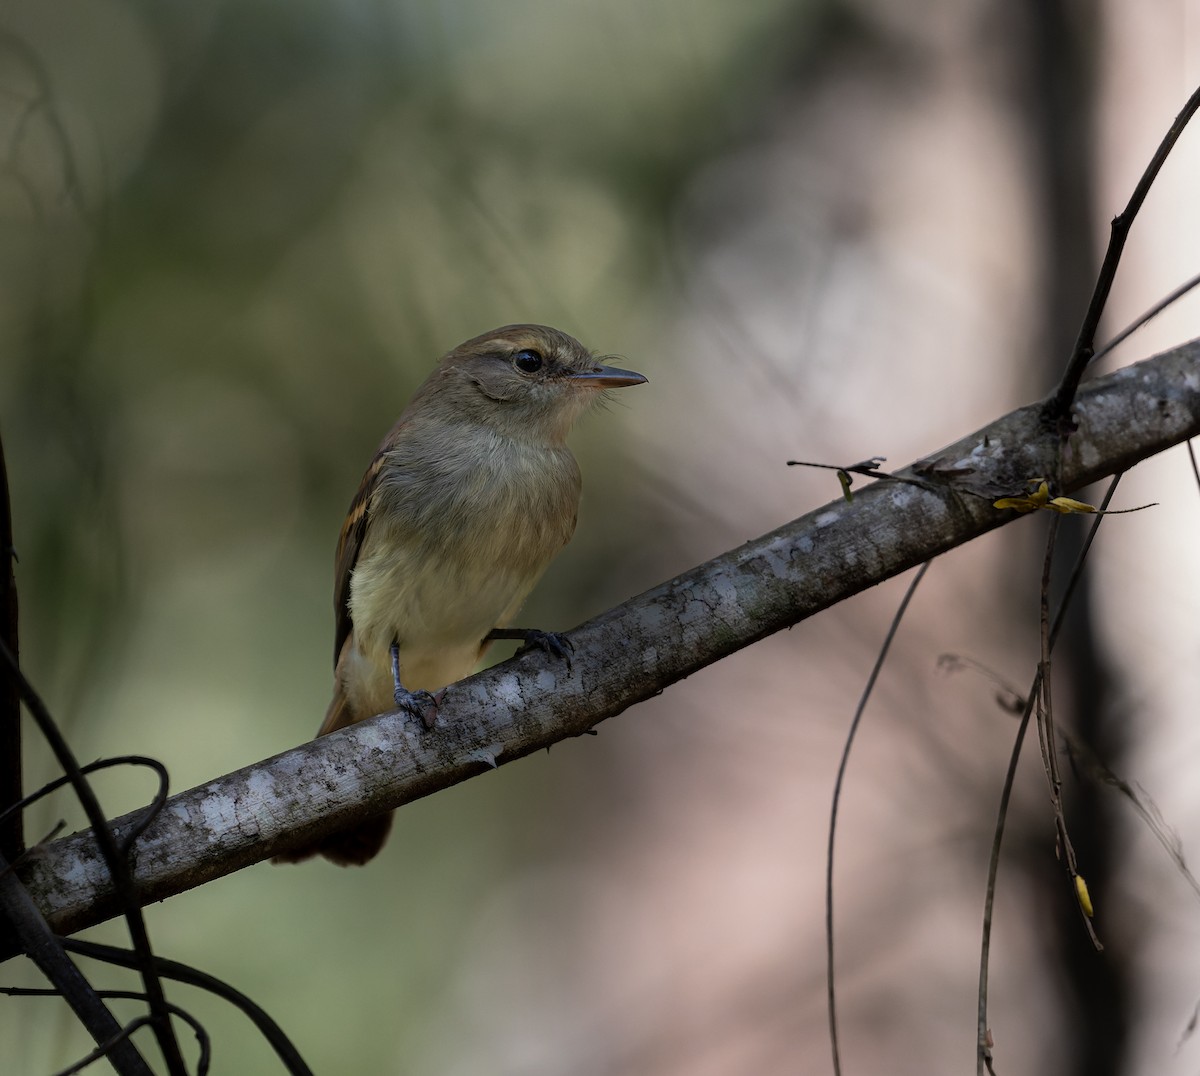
439,599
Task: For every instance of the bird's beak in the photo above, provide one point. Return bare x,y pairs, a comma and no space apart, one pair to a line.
609,377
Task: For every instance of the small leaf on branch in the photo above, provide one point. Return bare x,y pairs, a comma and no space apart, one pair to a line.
1040,498
1085,900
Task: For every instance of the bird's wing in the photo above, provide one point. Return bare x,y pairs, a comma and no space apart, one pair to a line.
349,545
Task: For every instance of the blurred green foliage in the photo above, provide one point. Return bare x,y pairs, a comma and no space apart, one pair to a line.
233,237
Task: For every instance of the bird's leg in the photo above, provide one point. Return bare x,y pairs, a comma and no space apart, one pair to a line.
552,642
421,704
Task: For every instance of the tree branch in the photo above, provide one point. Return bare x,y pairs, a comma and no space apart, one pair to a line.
12,834
632,652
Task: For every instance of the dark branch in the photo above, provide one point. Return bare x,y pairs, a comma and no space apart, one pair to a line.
12,838
113,854
1085,344
46,951
184,973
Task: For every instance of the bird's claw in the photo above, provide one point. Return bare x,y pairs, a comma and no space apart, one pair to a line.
552,642
420,704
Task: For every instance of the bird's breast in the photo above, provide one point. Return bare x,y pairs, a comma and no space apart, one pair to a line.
455,543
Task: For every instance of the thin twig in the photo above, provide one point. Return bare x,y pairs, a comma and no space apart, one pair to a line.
44,103
1060,403
202,1037
1149,315
152,809
120,1038
46,950
983,1046
123,1034
1009,699
1047,739
12,838
184,973
837,796
203,1063
868,468
114,857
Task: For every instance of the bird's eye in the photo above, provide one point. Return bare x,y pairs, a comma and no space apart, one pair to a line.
528,361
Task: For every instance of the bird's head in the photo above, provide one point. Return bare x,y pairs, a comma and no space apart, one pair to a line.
526,381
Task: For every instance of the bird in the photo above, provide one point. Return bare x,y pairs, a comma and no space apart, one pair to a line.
468,498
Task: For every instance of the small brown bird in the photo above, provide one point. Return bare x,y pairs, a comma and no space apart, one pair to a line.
469,497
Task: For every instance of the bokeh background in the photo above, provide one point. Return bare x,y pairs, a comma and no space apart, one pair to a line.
235,236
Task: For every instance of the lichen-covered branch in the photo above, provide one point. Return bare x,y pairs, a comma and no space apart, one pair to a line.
633,651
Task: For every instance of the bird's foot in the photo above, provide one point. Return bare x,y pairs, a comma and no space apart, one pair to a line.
553,643
421,704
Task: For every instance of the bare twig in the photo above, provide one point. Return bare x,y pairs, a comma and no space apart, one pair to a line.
12,838
894,627
114,857
124,1034
983,1036
868,468
46,951
1084,759
160,797
183,973
1059,404
1047,738
1148,316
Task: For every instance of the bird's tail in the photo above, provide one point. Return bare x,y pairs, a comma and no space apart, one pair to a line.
361,842
339,714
